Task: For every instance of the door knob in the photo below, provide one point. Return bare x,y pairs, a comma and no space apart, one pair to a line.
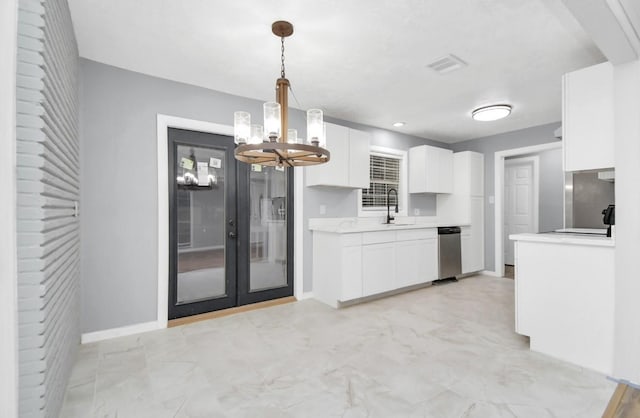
232,234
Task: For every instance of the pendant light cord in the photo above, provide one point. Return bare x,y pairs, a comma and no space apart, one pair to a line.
282,57
283,75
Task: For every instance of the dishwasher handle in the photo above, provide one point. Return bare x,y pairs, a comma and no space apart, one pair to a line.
446,230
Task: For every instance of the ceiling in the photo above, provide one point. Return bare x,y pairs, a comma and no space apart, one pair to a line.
358,60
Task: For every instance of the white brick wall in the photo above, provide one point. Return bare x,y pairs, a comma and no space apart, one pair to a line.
48,184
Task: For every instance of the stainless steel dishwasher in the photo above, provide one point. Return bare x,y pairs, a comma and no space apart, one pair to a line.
449,257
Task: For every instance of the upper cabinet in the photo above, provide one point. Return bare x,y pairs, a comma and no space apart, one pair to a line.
468,174
430,170
587,118
349,163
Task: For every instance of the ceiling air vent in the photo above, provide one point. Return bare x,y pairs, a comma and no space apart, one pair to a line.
447,64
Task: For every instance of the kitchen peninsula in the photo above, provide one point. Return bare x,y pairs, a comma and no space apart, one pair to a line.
564,296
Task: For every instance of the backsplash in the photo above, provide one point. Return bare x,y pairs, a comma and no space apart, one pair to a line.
586,196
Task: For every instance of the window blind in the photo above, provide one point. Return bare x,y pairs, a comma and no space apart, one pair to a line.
384,174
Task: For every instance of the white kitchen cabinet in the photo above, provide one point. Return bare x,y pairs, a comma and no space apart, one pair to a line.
588,119
466,247
349,162
359,146
348,266
564,298
351,271
416,262
430,170
378,268
474,170
337,267
472,238
465,206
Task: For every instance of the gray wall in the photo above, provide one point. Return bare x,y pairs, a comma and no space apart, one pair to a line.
48,184
119,222
344,202
489,146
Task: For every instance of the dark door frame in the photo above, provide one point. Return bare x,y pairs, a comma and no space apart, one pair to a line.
239,294
186,137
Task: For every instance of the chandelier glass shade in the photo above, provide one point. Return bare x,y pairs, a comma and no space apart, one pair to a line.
273,143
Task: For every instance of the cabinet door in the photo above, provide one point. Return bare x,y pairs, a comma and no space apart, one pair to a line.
445,170
378,268
417,169
587,120
430,170
466,250
336,171
416,262
351,273
410,263
359,145
476,259
476,171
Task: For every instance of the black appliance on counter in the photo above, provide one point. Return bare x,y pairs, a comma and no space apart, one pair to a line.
609,217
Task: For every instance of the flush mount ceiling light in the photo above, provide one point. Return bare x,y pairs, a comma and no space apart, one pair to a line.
275,144
398,124
491,113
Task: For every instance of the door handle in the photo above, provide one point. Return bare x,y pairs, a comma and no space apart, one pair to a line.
232,234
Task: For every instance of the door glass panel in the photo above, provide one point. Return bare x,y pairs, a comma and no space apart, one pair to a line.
201,233
268,229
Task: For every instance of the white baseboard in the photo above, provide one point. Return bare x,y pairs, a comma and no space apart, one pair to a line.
92,337
305,295
490,273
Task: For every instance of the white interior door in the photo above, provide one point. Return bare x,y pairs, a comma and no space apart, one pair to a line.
520,201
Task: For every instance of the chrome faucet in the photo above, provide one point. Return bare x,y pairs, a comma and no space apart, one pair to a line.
389,217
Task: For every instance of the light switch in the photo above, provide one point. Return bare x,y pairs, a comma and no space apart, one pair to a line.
492,200
323,209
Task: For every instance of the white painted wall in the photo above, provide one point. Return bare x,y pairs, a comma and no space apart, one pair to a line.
627,287
8,277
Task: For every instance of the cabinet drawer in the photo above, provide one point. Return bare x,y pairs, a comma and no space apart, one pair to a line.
378,237
350,240
416,234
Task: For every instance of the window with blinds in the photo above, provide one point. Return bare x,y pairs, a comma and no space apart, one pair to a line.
384,174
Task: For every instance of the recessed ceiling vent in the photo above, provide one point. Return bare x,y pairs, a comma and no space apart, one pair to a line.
447,64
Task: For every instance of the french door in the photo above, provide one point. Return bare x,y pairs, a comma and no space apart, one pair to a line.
230,226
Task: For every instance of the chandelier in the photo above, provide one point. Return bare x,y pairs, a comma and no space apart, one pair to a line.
275,144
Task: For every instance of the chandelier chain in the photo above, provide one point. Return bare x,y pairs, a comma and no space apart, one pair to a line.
282,57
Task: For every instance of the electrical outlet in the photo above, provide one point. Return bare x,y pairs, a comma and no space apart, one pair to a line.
416,212
323,209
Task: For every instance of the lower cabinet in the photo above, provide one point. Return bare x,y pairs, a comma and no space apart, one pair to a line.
354,265
472,238
351,283
466,250
378,268
416,262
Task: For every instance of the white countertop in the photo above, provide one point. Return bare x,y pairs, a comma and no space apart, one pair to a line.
355,225
566,238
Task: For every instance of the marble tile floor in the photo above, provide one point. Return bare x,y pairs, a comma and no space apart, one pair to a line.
441,351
